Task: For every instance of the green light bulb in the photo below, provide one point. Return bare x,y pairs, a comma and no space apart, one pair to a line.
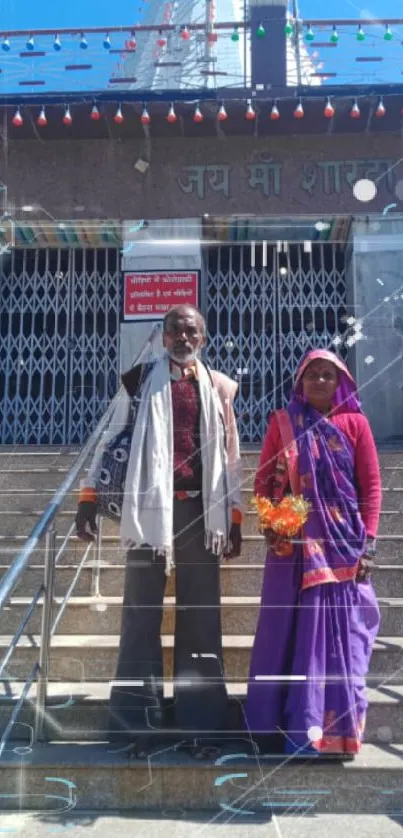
235,35
288,29
334,38
260,32
360,34
310,34
388,34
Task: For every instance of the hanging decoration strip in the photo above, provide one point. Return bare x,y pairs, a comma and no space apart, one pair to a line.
56,55
264,110
187,29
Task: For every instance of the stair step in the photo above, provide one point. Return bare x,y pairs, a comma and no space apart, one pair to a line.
19,523
390,549
390,524
79,712
36,479
235,577
59,777
23,498
76,657
388,460
93,615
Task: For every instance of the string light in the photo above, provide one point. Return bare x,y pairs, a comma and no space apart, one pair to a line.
198,116
355,112
250,114
145,118
211,35
118,118
171,116
67,119
299,111
17,119
42,120
288,29
334,38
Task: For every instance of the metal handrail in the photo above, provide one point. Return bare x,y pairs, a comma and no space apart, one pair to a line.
44,527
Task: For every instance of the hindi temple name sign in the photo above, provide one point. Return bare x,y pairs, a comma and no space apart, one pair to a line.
328,177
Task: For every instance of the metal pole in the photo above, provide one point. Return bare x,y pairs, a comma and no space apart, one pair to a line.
245,50
208,48
297,42
45,633
96,571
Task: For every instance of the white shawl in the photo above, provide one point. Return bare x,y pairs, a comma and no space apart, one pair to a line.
147,513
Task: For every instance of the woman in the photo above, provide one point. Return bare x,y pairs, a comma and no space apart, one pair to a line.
319,616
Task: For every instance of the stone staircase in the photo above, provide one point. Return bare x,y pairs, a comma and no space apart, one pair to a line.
76,765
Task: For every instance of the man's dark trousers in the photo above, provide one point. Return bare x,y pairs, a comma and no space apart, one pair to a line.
200,699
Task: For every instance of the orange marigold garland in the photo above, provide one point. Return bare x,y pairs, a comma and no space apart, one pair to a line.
286,518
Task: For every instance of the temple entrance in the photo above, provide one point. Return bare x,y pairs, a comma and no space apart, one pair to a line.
265,306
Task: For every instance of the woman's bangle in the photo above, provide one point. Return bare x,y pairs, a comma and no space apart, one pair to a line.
370,548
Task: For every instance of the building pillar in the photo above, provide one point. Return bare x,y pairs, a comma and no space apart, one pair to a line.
268,54
376,335
159,245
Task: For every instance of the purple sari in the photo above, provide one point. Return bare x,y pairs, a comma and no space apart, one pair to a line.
316,624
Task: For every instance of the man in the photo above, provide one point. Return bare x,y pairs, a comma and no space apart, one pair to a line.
181,506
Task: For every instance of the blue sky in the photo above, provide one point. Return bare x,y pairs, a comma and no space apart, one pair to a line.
387,71
24,14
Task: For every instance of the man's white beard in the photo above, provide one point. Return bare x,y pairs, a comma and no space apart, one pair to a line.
183,360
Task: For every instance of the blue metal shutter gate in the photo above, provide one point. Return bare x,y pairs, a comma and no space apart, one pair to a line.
262,320
59,343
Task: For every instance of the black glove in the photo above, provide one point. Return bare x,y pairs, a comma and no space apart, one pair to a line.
235,537
86,525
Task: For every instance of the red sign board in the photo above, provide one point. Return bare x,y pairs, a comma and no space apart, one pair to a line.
150,294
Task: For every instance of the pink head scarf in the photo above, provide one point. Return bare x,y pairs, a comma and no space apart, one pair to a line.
346,397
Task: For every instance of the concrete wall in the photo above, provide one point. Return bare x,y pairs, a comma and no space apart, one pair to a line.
290,175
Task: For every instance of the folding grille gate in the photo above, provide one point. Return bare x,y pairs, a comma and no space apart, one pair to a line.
59,332
262,320
59,343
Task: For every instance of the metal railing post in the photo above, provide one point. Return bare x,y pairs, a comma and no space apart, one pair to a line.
96,568
45,633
